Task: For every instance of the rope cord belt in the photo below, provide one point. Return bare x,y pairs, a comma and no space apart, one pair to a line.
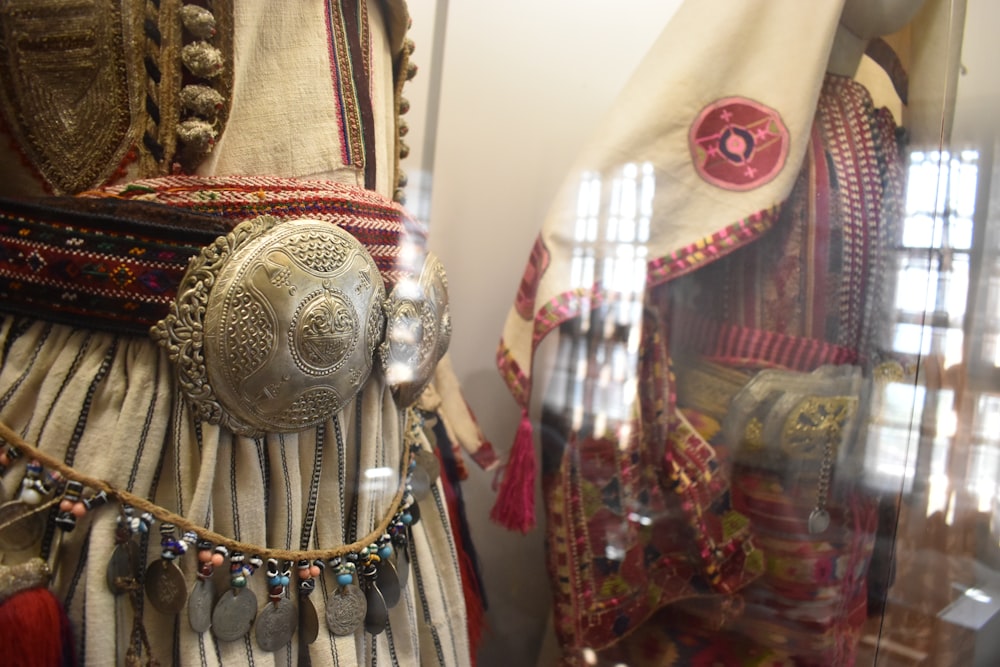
399,504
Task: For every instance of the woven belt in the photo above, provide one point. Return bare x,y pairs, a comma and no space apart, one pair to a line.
272,326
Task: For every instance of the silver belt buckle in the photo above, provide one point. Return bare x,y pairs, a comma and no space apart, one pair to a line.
274,325
418,331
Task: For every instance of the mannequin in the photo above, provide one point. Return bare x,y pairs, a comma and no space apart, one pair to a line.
724,522
193,118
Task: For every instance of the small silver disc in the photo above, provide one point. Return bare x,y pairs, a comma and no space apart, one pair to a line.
819,521
166,587
233,615
200,606
123,567
25,529
276,625
377,616
345,610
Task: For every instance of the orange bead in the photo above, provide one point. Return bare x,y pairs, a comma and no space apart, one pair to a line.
79,509
205,556
217,560
65,505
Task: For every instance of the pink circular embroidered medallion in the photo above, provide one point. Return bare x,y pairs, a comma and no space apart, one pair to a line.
738,144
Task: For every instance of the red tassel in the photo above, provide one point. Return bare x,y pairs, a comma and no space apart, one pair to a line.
34,630
515,506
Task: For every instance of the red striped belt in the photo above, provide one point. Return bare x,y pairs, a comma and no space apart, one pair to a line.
114,261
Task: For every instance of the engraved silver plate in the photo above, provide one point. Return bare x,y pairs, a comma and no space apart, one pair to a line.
418,331
345,610
166,587
276,625
234,613
275,325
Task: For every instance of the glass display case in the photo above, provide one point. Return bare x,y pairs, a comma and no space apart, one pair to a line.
843,499
721,312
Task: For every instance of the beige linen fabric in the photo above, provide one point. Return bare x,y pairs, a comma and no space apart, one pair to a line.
770,51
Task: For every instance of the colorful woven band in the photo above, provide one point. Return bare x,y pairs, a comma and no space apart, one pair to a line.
114,262
734,345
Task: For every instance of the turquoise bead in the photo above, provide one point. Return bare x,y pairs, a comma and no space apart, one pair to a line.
385,551
344,578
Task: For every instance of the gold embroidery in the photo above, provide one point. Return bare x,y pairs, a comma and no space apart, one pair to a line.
709,388
65,87
753,436
817,422
83,83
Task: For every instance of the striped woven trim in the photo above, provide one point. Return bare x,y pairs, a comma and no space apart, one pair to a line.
119,272
744,346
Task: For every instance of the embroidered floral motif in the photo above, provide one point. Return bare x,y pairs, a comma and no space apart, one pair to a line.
738,144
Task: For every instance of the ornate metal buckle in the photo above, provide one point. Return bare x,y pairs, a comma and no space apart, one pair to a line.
418,331
274,325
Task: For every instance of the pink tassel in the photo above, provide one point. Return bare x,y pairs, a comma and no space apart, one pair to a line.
515,505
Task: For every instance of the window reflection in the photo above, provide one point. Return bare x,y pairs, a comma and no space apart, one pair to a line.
594,383
939,440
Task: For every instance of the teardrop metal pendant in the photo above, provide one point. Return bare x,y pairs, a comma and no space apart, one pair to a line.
166,587
402,556
123,567
377,616
200,606
308,620
387,581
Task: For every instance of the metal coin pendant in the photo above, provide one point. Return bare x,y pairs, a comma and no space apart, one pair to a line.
377,616
428,460
402,555
388,583
345,610
414,511
276,625
308,620
123,567
233,615
25,529
819,521
200,606
420,483
166,587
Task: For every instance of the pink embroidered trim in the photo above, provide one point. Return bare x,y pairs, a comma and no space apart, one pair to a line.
709,249
738,144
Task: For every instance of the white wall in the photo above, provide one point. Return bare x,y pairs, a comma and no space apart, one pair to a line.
522,85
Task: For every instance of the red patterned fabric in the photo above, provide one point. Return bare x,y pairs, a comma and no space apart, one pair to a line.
644,512
117,267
